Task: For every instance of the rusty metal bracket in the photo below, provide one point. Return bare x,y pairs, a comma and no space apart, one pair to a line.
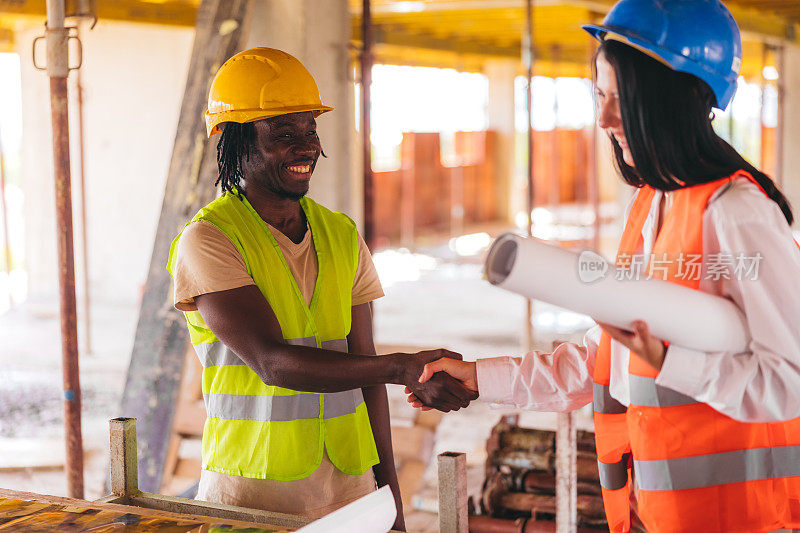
72,33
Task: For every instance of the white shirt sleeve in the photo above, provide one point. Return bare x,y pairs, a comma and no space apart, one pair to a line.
560,381
763,383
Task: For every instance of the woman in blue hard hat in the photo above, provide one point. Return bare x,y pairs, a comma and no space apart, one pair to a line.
699,441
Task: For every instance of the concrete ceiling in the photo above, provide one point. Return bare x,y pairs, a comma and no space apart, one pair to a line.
463,33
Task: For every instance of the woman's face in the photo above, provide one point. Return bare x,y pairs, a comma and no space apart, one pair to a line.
608,113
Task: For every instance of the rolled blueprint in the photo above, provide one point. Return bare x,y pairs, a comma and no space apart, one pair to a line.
586,283
373,513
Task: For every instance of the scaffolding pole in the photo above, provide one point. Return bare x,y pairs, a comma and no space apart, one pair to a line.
781,128
763,87
57,37
594,177
367,61
528,54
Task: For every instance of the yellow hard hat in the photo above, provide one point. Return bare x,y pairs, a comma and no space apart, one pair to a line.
261,83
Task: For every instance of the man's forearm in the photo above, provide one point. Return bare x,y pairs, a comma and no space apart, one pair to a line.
317,370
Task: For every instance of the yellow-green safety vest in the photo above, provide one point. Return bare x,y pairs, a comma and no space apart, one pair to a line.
263,431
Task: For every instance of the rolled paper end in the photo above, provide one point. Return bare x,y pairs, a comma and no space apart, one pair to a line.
500,259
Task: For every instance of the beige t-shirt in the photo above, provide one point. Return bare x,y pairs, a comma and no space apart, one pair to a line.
207,261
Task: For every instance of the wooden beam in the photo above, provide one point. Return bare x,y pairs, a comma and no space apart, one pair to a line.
123,467
55,509
453,493
396,36
174,504
153,381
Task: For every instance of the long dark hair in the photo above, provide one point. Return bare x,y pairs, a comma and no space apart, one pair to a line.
666,117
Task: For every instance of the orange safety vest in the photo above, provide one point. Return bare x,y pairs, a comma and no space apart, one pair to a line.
696,469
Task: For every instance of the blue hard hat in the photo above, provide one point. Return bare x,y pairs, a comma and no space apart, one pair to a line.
698,37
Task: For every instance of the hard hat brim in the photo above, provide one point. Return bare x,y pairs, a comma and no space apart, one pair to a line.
243,116
722,87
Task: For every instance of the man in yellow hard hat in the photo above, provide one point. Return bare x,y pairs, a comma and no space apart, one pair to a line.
276,291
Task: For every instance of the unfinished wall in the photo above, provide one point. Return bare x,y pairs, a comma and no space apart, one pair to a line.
133,78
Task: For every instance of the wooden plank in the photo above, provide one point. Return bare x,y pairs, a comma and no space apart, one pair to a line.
124,467
188,467
414,443
174,504
48,503
409,477
157,360
190,416
113,498
453,493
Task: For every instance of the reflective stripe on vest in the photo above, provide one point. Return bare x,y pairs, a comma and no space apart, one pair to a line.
614,476
646,393
603,402
310,342
262,408
216,353
718,468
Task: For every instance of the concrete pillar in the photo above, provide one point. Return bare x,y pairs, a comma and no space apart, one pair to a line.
790,123
317,32
501,74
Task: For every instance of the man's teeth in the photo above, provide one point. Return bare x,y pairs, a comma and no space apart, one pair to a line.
300,168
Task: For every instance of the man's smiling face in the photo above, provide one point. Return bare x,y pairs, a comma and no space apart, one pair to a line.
284,154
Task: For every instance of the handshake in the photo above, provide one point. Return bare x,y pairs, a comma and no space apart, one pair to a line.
439,379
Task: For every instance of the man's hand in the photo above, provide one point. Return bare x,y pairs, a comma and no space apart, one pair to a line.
442,392
639,341
463,371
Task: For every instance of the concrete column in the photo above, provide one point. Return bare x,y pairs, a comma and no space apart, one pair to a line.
790,123
317,32
501,74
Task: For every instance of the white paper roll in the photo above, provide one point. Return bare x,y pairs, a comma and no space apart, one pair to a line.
374,513
586,283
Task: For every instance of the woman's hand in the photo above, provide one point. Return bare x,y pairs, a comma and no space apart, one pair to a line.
639,341
463,371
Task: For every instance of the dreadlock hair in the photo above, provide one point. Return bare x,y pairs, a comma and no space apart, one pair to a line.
666,116
233,148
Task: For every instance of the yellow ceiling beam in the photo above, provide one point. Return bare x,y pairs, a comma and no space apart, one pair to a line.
6,40
167,12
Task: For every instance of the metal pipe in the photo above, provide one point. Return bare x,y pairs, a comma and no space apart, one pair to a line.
87,315
366,82
594,181
528,52
763,86
731,125
57,70
780,129
555,164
